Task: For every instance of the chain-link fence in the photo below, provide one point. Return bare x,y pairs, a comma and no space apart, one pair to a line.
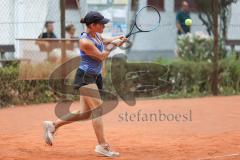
25,19
39,57
7,27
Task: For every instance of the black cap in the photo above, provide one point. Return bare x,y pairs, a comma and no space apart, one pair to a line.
94,17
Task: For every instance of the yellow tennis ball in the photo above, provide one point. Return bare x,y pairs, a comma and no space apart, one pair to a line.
188,22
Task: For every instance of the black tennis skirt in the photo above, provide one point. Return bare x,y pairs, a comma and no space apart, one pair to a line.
83,78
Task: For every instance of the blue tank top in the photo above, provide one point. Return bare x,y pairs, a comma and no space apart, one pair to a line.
88,64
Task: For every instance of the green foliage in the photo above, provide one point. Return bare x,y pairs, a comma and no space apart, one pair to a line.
191,77
197,47
188,79
230,75
14,91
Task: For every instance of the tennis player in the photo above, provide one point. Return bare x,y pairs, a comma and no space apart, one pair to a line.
94,49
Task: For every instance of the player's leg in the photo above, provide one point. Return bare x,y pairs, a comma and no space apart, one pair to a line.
94,101
50,127
77,115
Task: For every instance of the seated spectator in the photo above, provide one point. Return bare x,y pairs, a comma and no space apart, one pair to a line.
70,31
49,31
45,45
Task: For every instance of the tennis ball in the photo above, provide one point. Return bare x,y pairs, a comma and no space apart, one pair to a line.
188,22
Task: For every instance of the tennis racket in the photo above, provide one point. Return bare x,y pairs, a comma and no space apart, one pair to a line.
147,19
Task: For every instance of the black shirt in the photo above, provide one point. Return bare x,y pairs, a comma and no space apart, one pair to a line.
181,17
47,35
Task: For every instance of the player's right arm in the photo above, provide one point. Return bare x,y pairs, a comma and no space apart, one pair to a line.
91,50
178,25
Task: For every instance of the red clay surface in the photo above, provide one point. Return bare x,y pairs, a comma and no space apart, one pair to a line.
213,133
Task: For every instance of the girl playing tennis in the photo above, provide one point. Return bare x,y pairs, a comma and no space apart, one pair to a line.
87,76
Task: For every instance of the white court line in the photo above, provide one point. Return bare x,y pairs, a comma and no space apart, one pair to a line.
216,157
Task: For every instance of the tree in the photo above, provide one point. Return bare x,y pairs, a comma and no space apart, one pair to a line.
206,15
210,11
215,74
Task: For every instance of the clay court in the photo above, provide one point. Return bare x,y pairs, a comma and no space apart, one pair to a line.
213,133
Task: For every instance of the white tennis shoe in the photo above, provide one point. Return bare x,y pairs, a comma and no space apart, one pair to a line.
49,130
105,150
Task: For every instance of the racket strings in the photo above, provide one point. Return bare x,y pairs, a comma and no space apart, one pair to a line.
148,19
